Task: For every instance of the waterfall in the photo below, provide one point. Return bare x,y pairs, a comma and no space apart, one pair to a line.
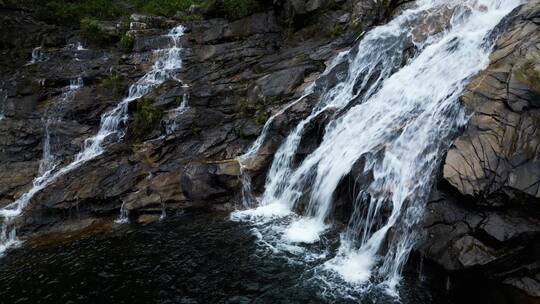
166,65
123,218
396,114
37,56
246,195
3,99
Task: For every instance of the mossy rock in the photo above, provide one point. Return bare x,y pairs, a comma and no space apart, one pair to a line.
145,119
529,74
93,32
115,84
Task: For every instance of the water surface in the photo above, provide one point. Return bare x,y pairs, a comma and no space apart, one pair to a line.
193,258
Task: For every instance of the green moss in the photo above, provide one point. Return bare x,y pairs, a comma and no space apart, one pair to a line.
233,9
258,112
336,31
195,131
70,12
92,31
126,43
261,115
192,17
145,119
115,83
164,7
528,74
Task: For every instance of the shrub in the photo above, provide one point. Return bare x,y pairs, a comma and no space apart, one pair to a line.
126,43
145,119
71,12
336,31
91,31
193,17
164,7
233,9
115,83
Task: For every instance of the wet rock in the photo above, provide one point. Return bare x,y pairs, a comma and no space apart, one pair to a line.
255,24
483,217
499,149
206,181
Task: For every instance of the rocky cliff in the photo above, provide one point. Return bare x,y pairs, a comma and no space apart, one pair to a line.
483,218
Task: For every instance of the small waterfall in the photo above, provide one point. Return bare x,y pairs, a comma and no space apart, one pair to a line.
166,65
48,160
38,55
163,214
3,99
245,179
123,218
397,111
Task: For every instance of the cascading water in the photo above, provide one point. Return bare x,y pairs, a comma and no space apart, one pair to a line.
3,99
168,62
398,115
123,218
37,56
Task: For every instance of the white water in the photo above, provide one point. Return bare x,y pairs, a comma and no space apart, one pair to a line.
401,122
166,65
48,160
37,56
123,218
3,100
247,197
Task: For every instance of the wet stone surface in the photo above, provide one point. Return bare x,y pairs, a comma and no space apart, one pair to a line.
183,259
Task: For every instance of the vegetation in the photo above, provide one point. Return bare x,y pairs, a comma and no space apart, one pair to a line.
164,7
115,83
92,31
145,119
192,17
71,12
126,43
529,75
256,111
232,9
336,30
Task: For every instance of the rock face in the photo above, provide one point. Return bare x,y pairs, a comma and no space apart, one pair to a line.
483,218
235,75
485,215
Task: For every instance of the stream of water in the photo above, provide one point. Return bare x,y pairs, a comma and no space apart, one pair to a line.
166,65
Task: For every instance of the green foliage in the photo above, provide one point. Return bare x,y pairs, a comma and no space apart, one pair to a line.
232,9
256,111
193,17
126,43
70,12
336,31
91,31
164,7
145,119
115,83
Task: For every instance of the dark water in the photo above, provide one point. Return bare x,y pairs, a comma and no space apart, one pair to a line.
184,259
